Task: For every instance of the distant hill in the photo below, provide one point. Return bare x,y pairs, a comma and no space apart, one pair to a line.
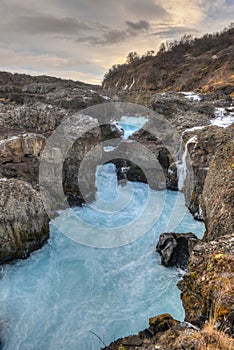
23,88
205,64
10,82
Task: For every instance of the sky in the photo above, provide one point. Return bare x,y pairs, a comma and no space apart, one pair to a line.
82,39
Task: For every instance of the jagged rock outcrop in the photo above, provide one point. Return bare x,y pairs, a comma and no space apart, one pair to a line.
31,109
202,145
71,166
218,194
24,224
38,117
70,158
19,156
39,104
175,248
181,112
163,155
25,89
152,165
207,291
165,333
148,338
34,107
149,150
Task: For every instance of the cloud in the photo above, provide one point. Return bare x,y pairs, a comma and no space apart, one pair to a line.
114,36
137,26
39,24
172,32
229,2
110,37
85,38
146,9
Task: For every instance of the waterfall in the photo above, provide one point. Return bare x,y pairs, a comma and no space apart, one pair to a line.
181,163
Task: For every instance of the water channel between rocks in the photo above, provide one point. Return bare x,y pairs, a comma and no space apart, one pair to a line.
66,291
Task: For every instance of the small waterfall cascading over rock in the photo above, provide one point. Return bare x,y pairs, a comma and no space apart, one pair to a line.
181,163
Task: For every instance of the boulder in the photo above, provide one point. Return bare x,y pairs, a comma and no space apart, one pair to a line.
175,248
24,224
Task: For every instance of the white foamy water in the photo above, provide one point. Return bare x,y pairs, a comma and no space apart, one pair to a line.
131,124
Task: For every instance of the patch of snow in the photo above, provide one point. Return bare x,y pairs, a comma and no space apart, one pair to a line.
204,168
192,96
126,86
12,138
109,148
223,122
219,112
105,97
133,82
194,128
86,98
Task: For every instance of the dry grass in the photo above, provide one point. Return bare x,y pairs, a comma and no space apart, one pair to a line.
212,339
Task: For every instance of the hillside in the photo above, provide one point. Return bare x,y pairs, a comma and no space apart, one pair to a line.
205,64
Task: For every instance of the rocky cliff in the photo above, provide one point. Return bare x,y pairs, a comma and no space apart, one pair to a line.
204,63
207,291
202,145
24,224
31,109
217,196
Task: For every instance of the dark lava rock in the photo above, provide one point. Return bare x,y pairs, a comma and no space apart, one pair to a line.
148,338
161,323
175,248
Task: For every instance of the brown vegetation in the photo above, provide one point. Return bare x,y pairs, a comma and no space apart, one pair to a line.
192,63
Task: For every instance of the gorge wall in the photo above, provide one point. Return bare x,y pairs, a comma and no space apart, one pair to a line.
31,108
